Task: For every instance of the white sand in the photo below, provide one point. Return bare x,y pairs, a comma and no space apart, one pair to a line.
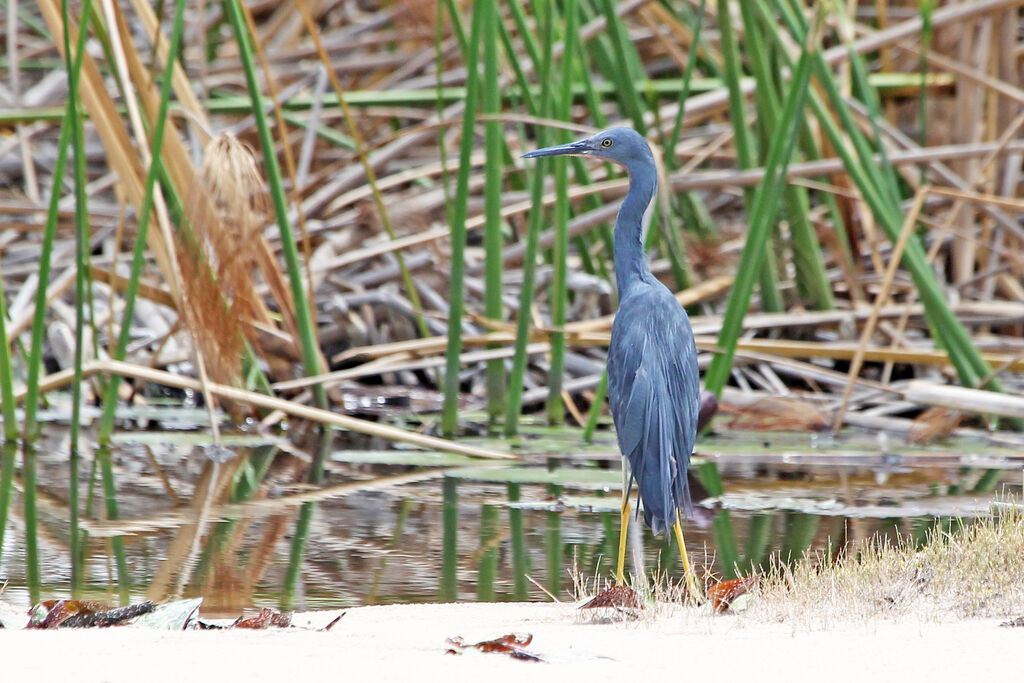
407,643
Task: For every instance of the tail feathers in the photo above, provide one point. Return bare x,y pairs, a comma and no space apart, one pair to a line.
659,510
663,485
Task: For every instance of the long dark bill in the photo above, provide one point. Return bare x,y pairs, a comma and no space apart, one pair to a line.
578,148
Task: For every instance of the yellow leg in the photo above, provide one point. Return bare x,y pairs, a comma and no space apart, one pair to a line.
691,578
620,574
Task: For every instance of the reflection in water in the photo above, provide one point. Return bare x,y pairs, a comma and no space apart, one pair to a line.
520,558
243,532
487,563
553,545
449,587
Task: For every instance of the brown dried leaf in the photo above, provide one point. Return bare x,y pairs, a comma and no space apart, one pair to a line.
777,415
616,596
723,593
333,622
59,611
86,614
510,644
934,423
267,618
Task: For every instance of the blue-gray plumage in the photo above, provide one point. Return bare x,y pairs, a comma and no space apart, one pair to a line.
653,381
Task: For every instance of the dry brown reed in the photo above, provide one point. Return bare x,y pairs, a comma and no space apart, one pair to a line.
218,255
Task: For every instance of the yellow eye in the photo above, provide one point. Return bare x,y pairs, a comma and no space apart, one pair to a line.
607,142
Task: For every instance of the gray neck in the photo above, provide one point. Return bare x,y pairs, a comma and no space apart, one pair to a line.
630,262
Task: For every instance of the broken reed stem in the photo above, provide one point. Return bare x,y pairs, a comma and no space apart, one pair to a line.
363,155
976,401
123,369
883,296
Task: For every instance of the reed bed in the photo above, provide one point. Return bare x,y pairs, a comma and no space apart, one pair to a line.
323,203
393,207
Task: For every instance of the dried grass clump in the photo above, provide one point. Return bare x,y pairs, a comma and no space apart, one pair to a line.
975,571
232,182
659,594
218,257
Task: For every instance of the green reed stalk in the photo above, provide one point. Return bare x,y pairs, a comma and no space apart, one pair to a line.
808,138
859,162
7,383
560,257
812,281
762,215
457,27
439,107
106,427
28,480
8,455
878,191
800,531
684,90
289,246
726,546
448,585
519,358
625,89
553,548
296,554
517,68
69,133
890,180
487,564
757,544
82,259
45,257
771,297
456,301
520,558
103,456
494,309
927,8
593,103
526,35
300,537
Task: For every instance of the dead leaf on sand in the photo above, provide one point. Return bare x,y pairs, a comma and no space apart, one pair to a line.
510,644
616,596
723,593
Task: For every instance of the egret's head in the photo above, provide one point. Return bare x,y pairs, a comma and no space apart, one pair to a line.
621,145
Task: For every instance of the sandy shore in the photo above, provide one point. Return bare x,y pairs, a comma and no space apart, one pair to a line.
407,642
